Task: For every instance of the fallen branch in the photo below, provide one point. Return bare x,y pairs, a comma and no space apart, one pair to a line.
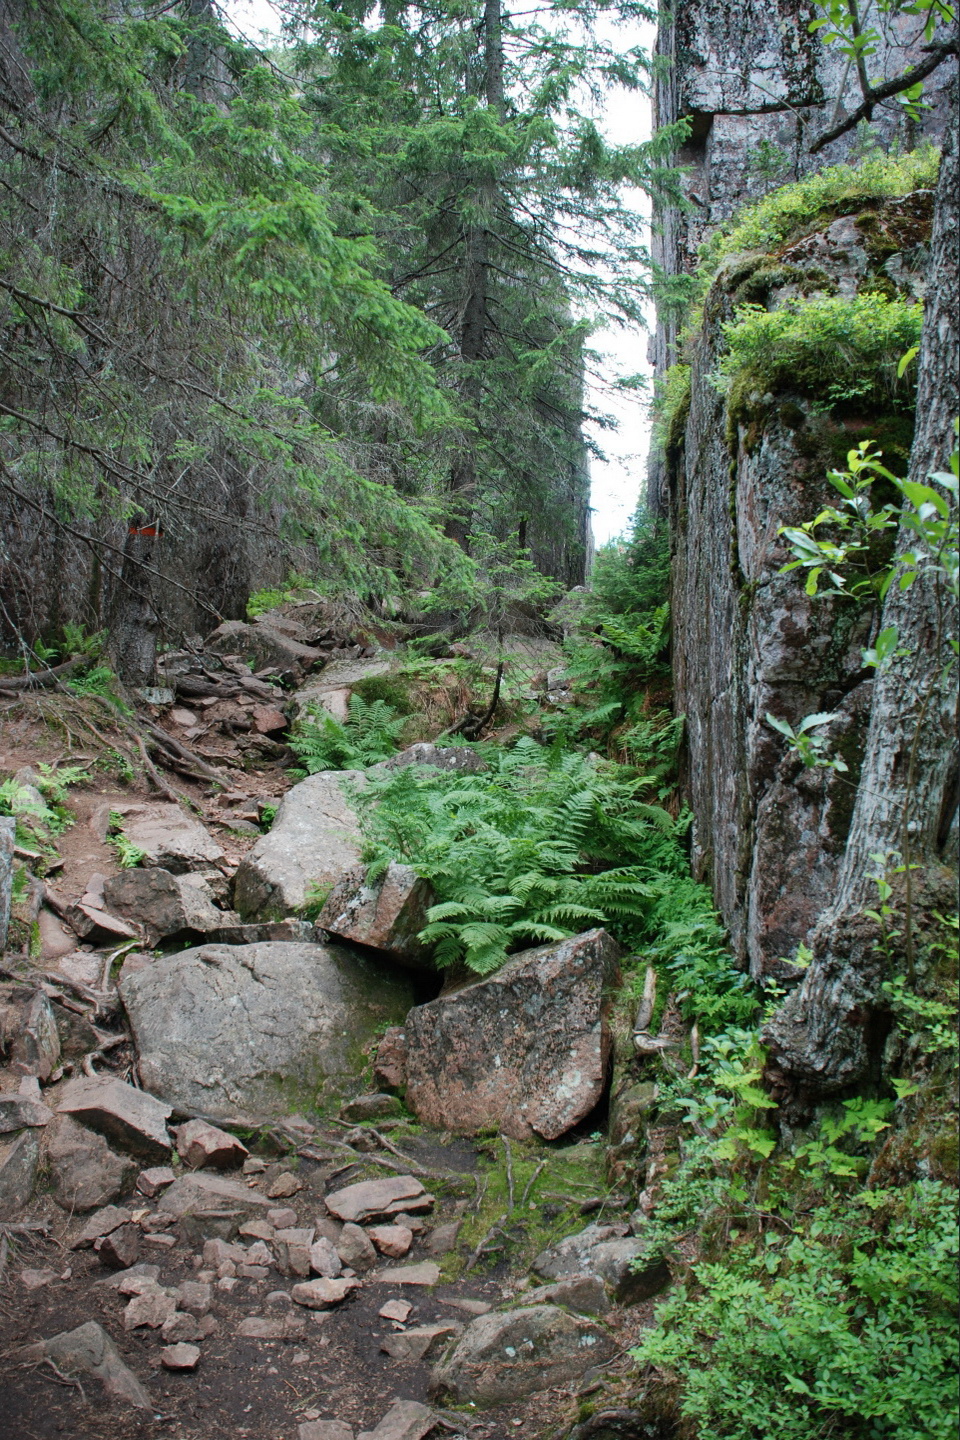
44,679
480,1249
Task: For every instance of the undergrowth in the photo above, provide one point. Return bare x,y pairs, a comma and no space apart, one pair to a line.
795,210
838,350
545,843
369,734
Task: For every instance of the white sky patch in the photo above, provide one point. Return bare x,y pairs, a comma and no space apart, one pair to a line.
616,482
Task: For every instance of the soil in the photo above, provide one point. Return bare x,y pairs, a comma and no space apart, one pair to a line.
258,1390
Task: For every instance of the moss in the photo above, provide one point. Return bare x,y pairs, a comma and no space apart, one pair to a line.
755,288
394,690
569,1175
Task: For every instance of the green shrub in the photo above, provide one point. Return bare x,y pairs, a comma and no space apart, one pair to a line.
368,736
671,406
839,1323
795,210
833,349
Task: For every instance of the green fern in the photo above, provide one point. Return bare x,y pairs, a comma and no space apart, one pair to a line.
369,734
543,844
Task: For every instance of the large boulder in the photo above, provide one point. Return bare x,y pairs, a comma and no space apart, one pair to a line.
86,1174
526,1049
262,1029
88,1350
18,1171
263,645
387,915
504,1356
452,758
313,840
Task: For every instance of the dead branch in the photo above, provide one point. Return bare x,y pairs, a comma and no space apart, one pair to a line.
44,679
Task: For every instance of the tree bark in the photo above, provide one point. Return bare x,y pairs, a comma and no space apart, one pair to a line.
474,317
827,1034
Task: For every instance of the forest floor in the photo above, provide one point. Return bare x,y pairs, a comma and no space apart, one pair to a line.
332,1366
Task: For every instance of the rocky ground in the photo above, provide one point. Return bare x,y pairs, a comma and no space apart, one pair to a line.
216,1215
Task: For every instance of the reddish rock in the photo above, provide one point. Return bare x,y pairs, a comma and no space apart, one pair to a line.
426,1273
121,1248
267,719
391,1240
199,1144
180,1357
376,1199
526,1050
415,1345
151,1182
133,1118
387,915
390,1062
322,1294
354,1248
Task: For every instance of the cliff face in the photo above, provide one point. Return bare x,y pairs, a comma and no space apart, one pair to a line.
757,90
768,835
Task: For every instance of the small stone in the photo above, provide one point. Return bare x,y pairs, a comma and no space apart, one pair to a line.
469,1307
321,1294
227,1269
165,1242
443,1238
324,1430
378,1199
253,1165
285,1185
102,1222
371,1107
121,1248
36,1279
257,1230
398,1310
282,1218
151,1182
426,1273
412,1346
217,1252
278,1299
415,1223
405,1420
292,1249
181,1327
227,1283
135,1281
253,1272
391,1240
199,1144
354,1248
195,1297
264,1327
151,1308
180,1357
324,1259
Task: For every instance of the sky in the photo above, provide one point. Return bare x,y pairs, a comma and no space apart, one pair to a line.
616,482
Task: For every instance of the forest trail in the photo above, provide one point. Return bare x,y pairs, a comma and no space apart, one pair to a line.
260,1364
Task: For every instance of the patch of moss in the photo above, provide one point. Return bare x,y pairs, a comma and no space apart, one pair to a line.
550,1182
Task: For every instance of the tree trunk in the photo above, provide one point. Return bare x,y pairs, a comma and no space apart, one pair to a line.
828,1033
474,317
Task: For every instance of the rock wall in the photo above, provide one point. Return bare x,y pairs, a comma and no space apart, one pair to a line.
768,835
757,89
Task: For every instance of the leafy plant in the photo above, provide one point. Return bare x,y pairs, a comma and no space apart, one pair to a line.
102,681
834,349
129,855
542,844
369,734
263,600
846,1324
810,749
